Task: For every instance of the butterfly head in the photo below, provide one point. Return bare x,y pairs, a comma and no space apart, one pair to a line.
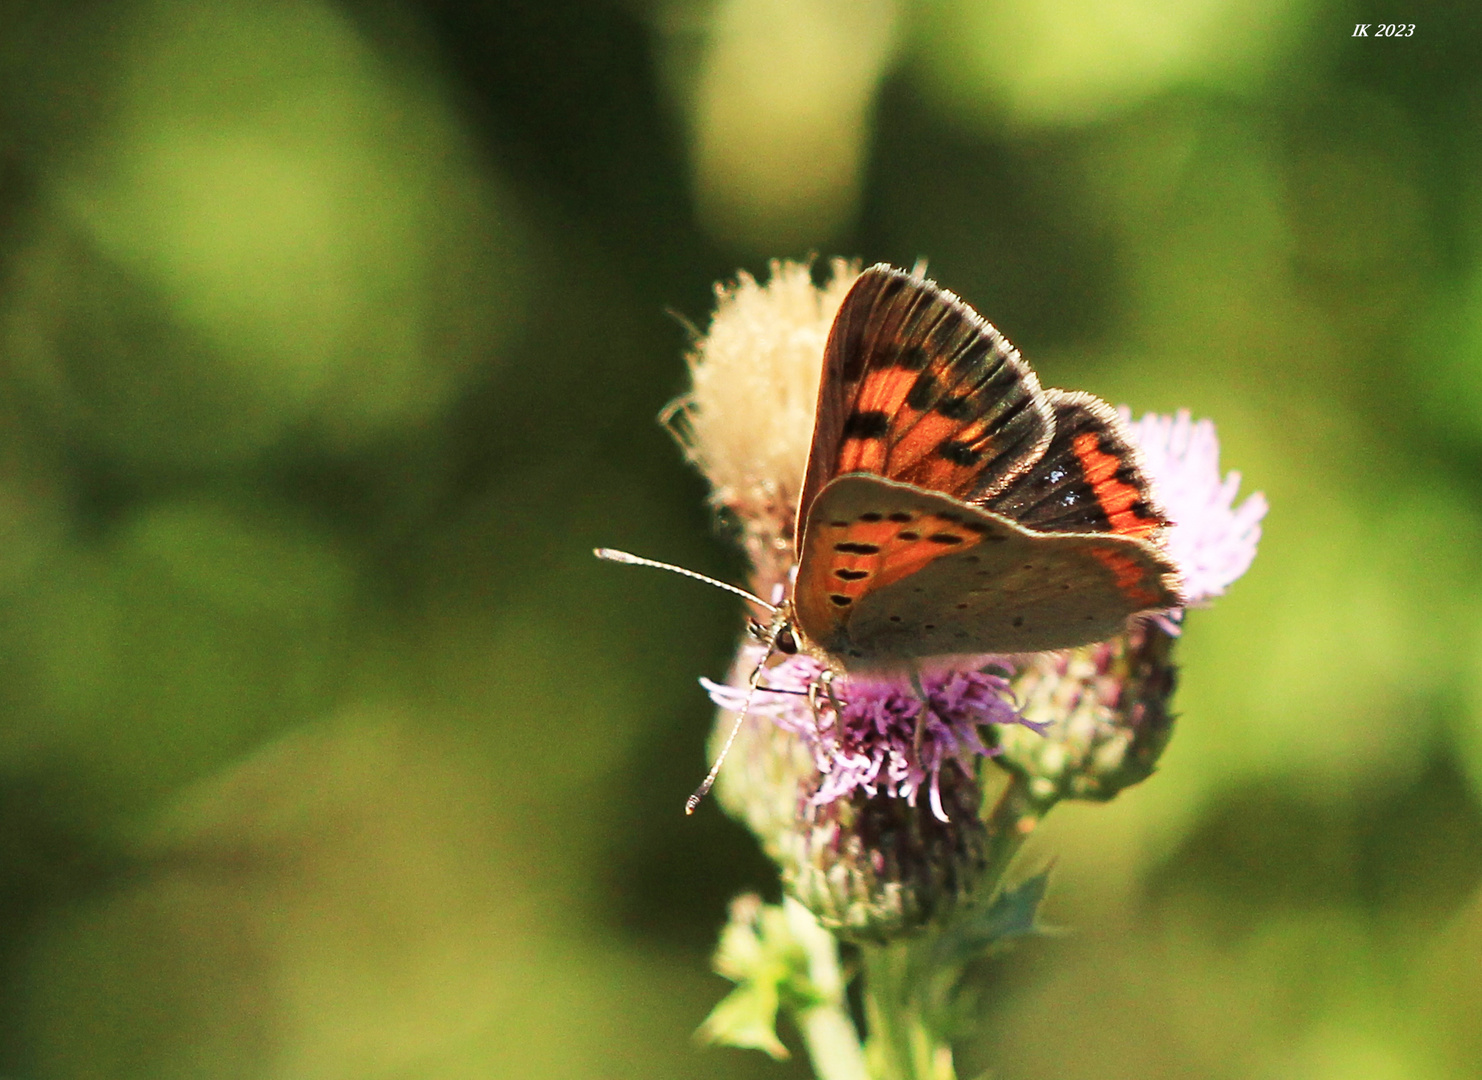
784,636
779,634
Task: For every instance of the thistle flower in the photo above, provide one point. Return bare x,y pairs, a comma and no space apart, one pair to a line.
748,418
858,847
832,784
864,733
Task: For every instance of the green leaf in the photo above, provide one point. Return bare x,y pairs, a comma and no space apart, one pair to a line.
1014,912
1012,915
746,1018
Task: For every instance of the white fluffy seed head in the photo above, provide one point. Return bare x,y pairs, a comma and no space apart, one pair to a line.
748,418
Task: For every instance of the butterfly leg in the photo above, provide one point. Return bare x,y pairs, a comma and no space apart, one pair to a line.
922,697
813,703
823,686
826,680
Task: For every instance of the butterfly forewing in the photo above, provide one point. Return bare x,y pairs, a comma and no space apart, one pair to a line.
917,388
891,573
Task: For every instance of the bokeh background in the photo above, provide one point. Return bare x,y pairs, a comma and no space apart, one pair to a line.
331,341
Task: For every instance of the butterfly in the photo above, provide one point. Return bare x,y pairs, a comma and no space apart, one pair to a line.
951,505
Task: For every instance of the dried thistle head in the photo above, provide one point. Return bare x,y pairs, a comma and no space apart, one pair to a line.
748,418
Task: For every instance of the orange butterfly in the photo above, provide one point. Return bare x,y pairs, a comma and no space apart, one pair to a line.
952,506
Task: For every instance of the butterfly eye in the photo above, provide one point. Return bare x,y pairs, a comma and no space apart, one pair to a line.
786,643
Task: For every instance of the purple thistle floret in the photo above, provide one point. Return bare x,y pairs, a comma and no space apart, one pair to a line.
869,742
1212,540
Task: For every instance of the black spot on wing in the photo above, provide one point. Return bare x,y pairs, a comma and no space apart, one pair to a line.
848,547
923,392
959,453
958,408
872,424
913,358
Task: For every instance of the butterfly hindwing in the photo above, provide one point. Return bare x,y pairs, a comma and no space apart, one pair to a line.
918,388
891,573
1089,478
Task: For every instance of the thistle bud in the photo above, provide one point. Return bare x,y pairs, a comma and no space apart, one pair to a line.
1105,712
874,867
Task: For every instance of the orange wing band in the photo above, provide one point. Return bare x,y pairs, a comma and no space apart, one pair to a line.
1119,500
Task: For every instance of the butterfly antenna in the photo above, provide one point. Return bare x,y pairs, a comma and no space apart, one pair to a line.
756,675
612,555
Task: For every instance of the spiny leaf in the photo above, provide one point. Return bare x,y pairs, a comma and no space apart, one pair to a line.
1014,912
1012,915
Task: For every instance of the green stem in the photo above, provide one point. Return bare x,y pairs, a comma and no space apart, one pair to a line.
833,1044
902,1045
888,1011
1014,818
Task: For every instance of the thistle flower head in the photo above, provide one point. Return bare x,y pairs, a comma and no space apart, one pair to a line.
874,733
833,782
843,821
748,418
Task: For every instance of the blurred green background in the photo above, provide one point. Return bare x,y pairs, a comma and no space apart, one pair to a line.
331,339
